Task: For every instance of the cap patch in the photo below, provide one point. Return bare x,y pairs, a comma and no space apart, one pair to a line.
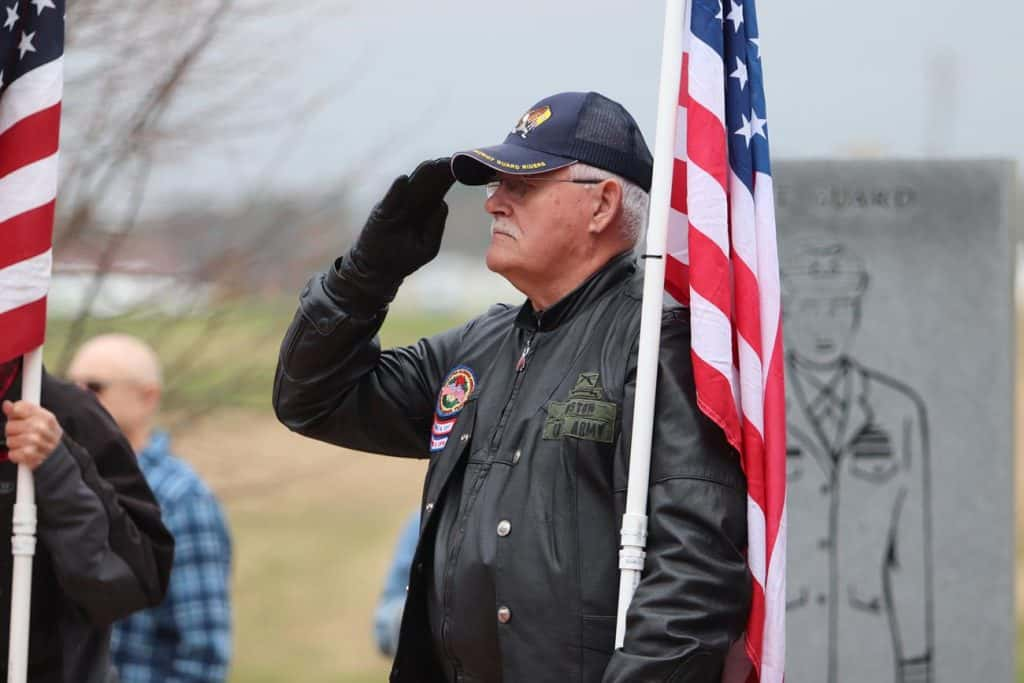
531,120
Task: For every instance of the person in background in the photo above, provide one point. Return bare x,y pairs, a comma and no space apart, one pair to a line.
387,618
187,638
102,551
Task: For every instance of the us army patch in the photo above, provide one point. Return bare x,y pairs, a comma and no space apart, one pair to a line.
585,415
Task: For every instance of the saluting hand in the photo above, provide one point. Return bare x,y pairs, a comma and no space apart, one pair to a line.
32,433
404,230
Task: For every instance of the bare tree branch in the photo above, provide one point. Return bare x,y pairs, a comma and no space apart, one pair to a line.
146,115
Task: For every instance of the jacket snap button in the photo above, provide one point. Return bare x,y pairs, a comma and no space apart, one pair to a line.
504,527
504,614
429,507
515,456
822,599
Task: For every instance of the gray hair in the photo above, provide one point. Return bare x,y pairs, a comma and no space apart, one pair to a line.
634,200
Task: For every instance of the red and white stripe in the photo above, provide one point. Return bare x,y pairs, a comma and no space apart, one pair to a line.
722,261
29,133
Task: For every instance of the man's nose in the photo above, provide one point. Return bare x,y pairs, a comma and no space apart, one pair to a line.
496,204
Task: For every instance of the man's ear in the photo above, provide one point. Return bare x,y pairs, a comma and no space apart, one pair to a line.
151,394
607,207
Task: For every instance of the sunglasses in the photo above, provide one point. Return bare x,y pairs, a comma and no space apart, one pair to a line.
96,386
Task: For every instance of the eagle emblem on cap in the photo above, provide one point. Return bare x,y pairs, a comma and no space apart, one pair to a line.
531,120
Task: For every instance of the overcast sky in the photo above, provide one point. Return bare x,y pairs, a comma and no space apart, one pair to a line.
413,79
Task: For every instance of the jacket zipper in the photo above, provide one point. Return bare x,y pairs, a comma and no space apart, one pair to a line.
520,371
521,363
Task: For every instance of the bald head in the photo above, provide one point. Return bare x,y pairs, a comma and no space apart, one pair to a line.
118,356
124,372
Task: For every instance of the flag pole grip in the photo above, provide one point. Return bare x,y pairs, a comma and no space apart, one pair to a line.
634,522
23,541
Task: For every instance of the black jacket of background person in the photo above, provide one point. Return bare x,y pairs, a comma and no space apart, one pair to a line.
101,552
522,456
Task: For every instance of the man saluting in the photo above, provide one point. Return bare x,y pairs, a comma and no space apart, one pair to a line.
525,414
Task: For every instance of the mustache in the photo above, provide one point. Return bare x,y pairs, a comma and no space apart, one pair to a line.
505,227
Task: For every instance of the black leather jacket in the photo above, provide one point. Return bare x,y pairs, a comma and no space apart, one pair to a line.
526,419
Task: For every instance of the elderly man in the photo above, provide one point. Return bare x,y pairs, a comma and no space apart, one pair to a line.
102,551
525,414
188,637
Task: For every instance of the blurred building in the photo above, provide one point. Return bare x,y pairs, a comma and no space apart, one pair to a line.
141,274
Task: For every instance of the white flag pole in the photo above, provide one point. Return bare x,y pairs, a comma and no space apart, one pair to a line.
634,521
23,542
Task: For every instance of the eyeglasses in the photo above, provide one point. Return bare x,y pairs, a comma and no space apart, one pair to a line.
519,187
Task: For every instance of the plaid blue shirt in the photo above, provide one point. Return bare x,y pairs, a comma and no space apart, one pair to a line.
187,638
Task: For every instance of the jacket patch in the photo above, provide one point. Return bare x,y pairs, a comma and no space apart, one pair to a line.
439,434
585,415
452,398
455,391
442,427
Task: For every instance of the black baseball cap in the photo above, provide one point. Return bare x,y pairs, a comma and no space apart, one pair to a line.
559,131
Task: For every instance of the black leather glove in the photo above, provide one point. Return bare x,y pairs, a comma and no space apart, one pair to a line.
402,234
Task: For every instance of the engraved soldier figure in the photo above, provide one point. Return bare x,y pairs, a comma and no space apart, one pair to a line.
859,576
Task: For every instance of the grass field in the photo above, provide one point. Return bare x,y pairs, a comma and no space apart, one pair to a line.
225,357
313,526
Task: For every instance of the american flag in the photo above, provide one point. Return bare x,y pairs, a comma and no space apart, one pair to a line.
722,261
31,81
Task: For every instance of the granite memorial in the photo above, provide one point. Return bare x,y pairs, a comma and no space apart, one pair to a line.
897,299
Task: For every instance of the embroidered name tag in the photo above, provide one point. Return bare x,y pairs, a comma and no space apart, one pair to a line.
585,415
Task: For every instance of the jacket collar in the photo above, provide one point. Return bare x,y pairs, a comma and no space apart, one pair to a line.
618,269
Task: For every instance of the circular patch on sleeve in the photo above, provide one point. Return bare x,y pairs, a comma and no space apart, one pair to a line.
455,391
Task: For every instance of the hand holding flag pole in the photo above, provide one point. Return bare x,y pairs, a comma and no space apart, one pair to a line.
31,86
23,541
